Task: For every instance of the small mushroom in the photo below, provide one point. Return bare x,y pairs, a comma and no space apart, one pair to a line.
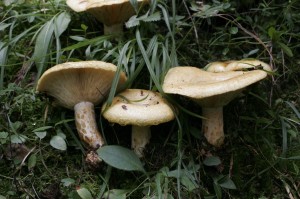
141,109
213,89
80,86
112,13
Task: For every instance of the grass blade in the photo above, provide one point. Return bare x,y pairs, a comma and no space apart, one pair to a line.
147,61
61,23
294,108
3,58
42,46
115,81
284,137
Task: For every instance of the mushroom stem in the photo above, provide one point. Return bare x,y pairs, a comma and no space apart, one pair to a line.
86,125
212,126
140,137
113,29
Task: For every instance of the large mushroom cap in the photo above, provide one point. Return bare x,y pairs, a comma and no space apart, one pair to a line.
209,88
108,12
73,82
138,107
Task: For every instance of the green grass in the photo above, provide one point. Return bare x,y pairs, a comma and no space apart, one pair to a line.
261,154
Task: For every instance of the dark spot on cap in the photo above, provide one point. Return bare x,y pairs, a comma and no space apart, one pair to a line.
124,107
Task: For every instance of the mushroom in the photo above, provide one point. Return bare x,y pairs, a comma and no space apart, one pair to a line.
80,86
141,109
213,89
112,13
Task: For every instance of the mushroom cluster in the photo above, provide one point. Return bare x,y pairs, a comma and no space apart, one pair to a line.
214,88
112,13
82,85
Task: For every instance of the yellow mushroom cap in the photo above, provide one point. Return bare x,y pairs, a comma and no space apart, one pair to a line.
108,12
73,82
138,107
211,89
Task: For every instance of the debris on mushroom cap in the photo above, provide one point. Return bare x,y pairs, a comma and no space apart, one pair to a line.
73,82
217,66
138,107
108,12
234,65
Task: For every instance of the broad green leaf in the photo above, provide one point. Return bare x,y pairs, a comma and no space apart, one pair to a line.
4,25
212,161
121,158
8,2
61,22
2,197
16,125
58,143
154,17
67,181
116,194
190,184
135,21
3,135
185,177
132,22
41,134
233,30
31,161
226,183
273,34
84,193
18,139
285,49
218,190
